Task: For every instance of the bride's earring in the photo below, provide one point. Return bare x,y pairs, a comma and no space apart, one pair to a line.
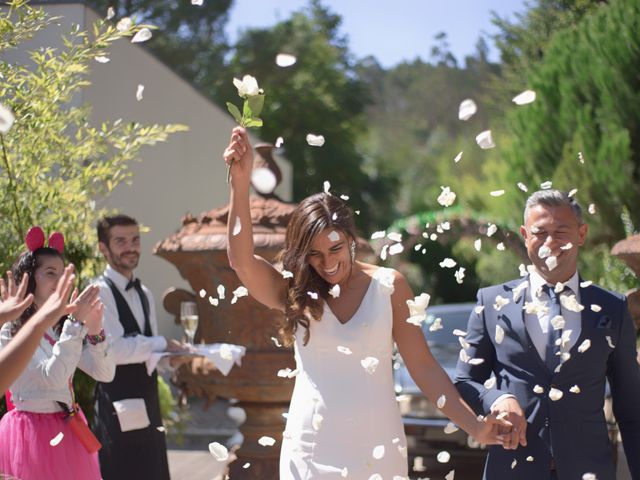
353,251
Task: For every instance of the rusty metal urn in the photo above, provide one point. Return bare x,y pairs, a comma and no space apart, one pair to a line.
198,250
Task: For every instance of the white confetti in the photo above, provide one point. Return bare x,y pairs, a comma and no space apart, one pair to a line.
484,140
551,262
219,452
266,441
522,187
589,476
378,234
528,96
567,246
490,383
110,13
344,197
213,301
433,237
448,263
517,291
442,400
436,325
202,293
476,361
220,291
463,343
500,302
286,274
285,60
316,421
491,229
610,342
477,244
496,193
288,373
263,180
595,308
544,251
239,293
395,249
344,350
315,140
500,247
419,304
499,334
335,291
459,333
142,35
557,322
529,458
102,59
334,236
586,284
478,309
522,270
450,428
161,429
446,197
246,465
458,157
572,193
584,346
514,463
276,342
378,452
546,185
538,389
56,440
139,92
313,295
575,389
467,109
326,186
569,302
370,364
443,457
459,274
592,208
555,394
450,475
394,236
383,252
237,227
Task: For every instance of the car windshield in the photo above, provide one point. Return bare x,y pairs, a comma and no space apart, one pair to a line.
450,319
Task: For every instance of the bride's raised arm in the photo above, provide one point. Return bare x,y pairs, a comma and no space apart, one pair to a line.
263,281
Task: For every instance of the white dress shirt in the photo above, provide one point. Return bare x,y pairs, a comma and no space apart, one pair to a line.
45,381
538,324
130,349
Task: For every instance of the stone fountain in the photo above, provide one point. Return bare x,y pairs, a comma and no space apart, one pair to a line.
198,251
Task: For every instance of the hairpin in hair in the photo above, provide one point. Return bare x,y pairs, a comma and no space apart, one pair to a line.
35,240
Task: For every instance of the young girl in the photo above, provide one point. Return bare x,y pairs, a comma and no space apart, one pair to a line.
36,439
342,316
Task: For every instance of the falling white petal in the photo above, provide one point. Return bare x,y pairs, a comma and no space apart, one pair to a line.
263,180
592,208
467,109
279,142
555,394
196,2
464,356
383,252
335,291
6,119
517,292
477,244
459,274
575,389
595,308
557,322
378,452
142,35
395,249
551,262
491,229
202,293
458,158
589,476
370,364
610,342
567,246
544,251
528,96
110,13
442,400
326,186
276,342
237,227
478,309
56,440
476,361
316,421
546,185
447,263
569,302
394,236
139,92
436,325
379,234
433,237
514,463
285,60
586,283
490,383
315,140
522,187
459,333
529,458
499,334
484,140
344,473
344,197
266,441
500,247
124,24
450,475
313,295
446,197
221,291
102,59
443,457
584,346
344,350
213,301
496,193
419,304
573,192
538,389
500,302
219,452
463,343
450,428
334,236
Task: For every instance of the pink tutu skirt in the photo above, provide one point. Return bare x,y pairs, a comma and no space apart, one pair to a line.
27,454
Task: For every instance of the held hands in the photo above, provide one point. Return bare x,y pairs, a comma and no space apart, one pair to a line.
12,299
510,410
239,156
492,430
89,308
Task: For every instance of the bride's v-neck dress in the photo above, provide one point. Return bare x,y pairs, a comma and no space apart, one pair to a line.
343,420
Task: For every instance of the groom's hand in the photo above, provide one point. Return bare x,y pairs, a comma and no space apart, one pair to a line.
510,410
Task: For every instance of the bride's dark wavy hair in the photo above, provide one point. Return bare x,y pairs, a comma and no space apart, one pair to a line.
311,216
27,263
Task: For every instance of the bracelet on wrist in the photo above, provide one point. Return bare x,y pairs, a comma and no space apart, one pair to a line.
96,339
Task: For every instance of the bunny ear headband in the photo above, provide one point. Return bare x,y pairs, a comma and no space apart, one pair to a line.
35,240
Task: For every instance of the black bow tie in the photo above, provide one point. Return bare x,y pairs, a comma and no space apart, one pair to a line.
133,284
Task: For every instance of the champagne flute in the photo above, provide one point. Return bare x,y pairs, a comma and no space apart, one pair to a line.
189,319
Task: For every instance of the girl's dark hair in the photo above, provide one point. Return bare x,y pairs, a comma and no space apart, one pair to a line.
312,216
28,263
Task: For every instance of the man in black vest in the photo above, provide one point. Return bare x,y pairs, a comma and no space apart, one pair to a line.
128,420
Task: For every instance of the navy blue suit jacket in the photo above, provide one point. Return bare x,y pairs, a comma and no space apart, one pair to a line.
574,425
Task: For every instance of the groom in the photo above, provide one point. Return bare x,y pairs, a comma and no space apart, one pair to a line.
552,340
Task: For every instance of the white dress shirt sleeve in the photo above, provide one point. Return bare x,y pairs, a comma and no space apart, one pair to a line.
131,349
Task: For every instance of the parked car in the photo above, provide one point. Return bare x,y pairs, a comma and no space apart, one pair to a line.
424,423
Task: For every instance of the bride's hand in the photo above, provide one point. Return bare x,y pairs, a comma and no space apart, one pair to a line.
492,430
239,156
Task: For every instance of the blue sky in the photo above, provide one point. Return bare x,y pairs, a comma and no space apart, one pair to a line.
392,31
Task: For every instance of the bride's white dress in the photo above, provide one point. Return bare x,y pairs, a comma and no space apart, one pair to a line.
343,417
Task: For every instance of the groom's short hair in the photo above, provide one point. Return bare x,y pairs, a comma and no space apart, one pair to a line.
106,223
553,198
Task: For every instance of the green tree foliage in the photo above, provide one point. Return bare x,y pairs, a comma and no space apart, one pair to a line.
192,39
53,163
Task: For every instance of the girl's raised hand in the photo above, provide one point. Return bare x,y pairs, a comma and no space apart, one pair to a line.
12,299
239,156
